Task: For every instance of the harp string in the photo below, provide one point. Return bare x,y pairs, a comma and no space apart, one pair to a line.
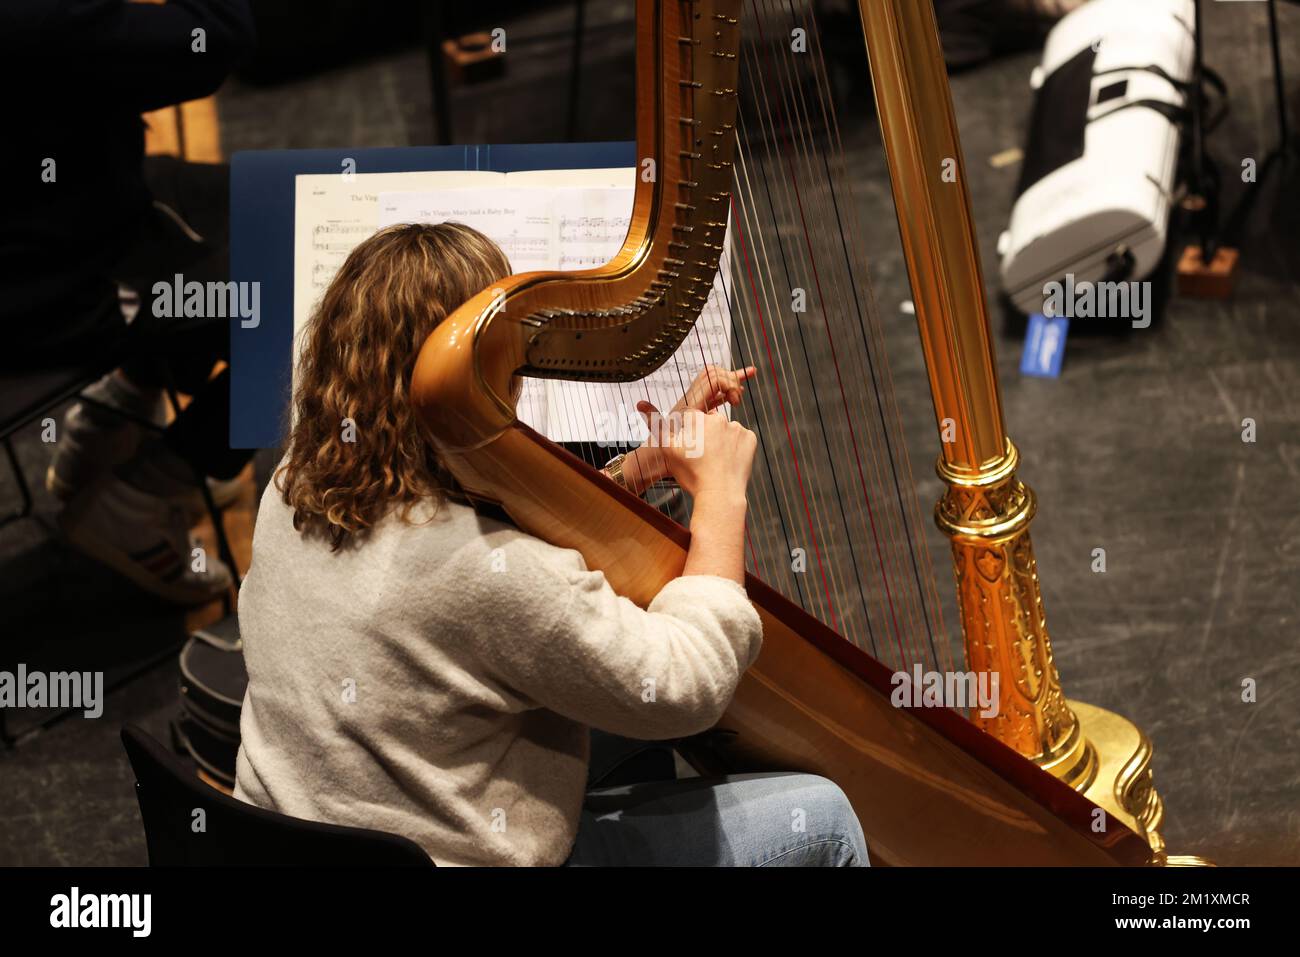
765,507
796,127
778,134
829,607
778,297
902,602
790,491
797,373
892,535
775,342
909,511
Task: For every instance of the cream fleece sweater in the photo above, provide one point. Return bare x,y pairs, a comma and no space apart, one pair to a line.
438,681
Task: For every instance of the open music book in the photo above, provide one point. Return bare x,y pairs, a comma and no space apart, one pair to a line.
546,219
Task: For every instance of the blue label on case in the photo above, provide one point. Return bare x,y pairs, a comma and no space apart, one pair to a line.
1044,346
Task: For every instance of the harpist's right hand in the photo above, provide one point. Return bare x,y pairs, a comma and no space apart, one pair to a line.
711,457
705,452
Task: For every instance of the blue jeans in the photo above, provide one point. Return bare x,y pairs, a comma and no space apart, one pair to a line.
743,820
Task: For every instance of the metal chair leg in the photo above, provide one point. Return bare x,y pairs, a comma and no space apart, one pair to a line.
218,525
23,489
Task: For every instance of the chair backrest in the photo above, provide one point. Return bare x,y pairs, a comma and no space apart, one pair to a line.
229,832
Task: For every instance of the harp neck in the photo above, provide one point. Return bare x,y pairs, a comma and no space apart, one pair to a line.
621,321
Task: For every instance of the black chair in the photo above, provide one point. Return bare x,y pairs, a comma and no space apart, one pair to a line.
235,834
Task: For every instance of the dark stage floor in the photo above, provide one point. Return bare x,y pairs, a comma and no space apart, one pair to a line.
1136,448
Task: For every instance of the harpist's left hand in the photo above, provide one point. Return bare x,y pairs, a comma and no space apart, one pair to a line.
714,386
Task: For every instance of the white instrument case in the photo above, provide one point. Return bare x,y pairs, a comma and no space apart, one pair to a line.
1098,176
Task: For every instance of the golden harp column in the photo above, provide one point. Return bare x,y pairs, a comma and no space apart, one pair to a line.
986,510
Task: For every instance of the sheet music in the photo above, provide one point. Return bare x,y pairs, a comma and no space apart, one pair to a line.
615,177
547,219
591,225
333,213
520,221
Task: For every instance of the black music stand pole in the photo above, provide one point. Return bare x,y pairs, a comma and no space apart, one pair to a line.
575,69
1207,215
434,34
1279,88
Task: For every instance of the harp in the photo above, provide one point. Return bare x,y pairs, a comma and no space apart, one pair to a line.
1044,781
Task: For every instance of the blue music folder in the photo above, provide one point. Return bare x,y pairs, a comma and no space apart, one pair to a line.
261,250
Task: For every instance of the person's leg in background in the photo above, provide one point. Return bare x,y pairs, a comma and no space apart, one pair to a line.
747,820
162,354
136,517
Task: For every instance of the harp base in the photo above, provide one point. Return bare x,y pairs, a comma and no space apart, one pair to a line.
1123,785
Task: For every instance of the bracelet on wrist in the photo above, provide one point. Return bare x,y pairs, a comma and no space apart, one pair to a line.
614,469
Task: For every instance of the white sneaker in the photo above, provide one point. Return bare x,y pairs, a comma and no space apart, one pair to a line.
144,537
92,440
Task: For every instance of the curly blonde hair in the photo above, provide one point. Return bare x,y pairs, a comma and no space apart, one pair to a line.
356,363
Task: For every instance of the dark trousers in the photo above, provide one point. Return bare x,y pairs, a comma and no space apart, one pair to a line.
616,760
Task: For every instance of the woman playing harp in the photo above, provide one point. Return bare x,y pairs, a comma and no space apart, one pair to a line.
420,668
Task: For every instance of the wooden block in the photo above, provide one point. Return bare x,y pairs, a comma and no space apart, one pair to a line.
1212,280
162,134
202,135
471,58
187,131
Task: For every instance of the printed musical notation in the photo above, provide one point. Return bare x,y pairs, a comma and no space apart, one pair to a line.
593,229
580,235
330,244
544,220
590,228
520,221
337,229
538,228
571,228
333,213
